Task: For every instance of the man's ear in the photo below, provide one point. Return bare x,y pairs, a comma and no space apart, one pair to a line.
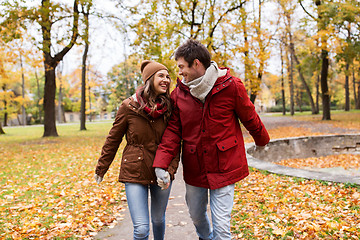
197,62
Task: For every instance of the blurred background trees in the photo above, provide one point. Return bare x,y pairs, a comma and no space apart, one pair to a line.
83,56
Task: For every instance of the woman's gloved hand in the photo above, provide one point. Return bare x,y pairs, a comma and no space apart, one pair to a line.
98,179
163,178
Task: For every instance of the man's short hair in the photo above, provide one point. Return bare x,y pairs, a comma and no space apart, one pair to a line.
192,50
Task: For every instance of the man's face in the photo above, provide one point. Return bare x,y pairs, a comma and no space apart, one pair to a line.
189,73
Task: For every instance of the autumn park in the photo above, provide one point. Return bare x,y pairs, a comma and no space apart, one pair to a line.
66,67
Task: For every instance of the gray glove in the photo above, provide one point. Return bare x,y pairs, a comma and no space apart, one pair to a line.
163,178
98,179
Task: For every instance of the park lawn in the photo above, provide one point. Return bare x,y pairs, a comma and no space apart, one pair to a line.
340,119
47,191
47,187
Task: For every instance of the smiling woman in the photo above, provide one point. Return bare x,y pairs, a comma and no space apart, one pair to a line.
142,118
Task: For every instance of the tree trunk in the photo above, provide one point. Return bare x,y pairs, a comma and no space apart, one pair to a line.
289,53
325,95
38,100
324,85
49,100
347,92
354,86
358,97
255,88
317,93
83,70
358,94
246,50
5,114
60,105
23,112
282,82
90,114
313,108
291,83
51,62
299,99
1,129
83,89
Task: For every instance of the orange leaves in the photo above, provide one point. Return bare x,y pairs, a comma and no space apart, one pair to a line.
47,188
346,161
278,207
270,206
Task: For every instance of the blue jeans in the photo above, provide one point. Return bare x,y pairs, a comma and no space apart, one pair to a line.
137,197
221,203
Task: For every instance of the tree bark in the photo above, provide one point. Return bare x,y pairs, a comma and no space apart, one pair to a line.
354,86
1,129
324,65
49,101
291,83
324,85
282,82
313,108
317,93
5,115
23,111
347,92
83,88
358,95
50,64
85,12
255,86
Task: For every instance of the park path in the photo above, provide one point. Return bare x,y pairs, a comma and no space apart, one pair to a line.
178,223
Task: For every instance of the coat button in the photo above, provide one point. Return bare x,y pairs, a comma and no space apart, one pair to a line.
125,160
217,89
139,157
203,130
223,147
204,151
223,85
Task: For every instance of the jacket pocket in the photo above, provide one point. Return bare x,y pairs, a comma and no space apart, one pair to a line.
131,163
227,153
190,160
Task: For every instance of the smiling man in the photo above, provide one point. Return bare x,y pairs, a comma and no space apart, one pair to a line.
207,106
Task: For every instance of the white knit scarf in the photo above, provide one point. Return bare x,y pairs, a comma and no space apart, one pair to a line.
201,86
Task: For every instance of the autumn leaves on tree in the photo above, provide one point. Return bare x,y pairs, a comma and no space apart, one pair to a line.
318,42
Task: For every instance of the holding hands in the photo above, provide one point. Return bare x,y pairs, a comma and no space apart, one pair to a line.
163,178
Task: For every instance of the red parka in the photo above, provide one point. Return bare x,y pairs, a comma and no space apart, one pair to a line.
213,152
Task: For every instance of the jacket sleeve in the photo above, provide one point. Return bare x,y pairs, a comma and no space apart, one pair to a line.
169,147
174,164
113,141
245,110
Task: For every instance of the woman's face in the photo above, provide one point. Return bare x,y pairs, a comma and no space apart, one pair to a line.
161,82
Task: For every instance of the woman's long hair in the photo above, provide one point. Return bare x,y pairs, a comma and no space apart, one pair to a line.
147,92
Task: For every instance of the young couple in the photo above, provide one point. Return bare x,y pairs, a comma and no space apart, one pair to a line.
203,112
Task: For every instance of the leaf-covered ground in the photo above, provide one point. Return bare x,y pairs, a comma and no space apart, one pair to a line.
269,206
47,191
